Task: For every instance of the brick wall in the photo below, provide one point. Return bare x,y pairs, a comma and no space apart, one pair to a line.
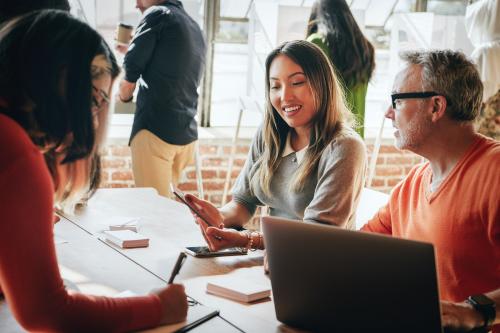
392,166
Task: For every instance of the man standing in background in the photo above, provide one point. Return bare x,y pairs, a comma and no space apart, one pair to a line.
166,58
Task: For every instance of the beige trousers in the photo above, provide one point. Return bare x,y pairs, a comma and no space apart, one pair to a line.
156,163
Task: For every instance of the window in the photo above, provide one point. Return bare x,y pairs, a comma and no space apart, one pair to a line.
246,30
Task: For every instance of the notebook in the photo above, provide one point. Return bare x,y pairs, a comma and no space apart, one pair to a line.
237,289
124,223
131,227
326,278
126,238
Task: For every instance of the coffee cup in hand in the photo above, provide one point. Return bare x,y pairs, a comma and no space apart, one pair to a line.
124,33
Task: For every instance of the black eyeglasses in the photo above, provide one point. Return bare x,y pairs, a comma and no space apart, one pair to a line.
407,95
103,95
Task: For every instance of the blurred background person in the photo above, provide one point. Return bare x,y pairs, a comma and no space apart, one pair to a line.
482,22
10,9
166,58
488,122
333,28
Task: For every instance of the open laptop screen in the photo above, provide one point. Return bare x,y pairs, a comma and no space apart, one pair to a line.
326,278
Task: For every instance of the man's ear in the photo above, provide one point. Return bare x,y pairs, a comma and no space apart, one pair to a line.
439,105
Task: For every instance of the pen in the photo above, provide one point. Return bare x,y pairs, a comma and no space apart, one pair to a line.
177,267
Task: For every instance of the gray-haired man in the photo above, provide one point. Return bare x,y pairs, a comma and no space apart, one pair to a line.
453,199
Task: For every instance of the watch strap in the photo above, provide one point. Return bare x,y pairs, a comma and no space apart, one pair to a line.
485,306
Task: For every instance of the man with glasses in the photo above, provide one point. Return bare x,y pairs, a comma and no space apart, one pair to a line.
453,199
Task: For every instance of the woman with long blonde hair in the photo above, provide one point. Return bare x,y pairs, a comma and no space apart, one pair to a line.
305,162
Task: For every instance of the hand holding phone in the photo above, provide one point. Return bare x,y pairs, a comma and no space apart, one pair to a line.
207,212
208,217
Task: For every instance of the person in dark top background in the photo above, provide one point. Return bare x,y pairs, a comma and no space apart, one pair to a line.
11,9
166,58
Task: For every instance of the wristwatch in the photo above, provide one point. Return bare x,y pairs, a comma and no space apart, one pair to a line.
485,306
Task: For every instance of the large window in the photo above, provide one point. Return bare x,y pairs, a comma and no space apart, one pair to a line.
229,63
242,32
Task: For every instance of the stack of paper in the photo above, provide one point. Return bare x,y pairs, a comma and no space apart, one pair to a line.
126,238
237,289
124,223
131,227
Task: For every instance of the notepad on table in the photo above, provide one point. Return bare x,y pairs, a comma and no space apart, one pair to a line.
124,223
126,238
131,227
237,289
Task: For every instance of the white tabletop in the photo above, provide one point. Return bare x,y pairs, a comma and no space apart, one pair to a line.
170,227
93,267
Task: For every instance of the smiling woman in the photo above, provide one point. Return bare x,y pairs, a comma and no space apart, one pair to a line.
291,96
305,163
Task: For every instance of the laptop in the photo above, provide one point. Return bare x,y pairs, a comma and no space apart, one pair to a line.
330,279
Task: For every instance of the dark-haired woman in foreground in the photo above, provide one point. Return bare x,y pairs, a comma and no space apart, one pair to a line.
55,79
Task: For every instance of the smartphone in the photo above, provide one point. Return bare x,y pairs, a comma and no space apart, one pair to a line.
180,195
204,252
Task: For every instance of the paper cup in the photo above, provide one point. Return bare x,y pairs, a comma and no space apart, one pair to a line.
124,33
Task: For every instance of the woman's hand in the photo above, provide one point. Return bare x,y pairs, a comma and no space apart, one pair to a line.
266,264
121,48
212,226
209,212
174,303
460,317
212,217
219,239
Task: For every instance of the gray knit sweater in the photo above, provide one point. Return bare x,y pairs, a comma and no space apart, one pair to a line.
330,196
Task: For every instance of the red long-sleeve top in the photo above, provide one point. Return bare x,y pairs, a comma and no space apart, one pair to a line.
29,274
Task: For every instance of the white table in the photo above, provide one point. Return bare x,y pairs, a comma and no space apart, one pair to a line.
99,268
89,265
170,227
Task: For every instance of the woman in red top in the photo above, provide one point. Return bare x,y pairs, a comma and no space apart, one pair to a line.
55,76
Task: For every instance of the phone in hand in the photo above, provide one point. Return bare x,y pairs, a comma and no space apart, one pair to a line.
181,196
204,252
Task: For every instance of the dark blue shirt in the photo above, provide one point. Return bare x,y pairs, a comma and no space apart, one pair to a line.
166,58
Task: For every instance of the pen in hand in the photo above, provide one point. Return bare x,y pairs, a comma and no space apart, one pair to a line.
177,267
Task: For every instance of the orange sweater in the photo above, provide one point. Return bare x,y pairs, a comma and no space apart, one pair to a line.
29,274
461,218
